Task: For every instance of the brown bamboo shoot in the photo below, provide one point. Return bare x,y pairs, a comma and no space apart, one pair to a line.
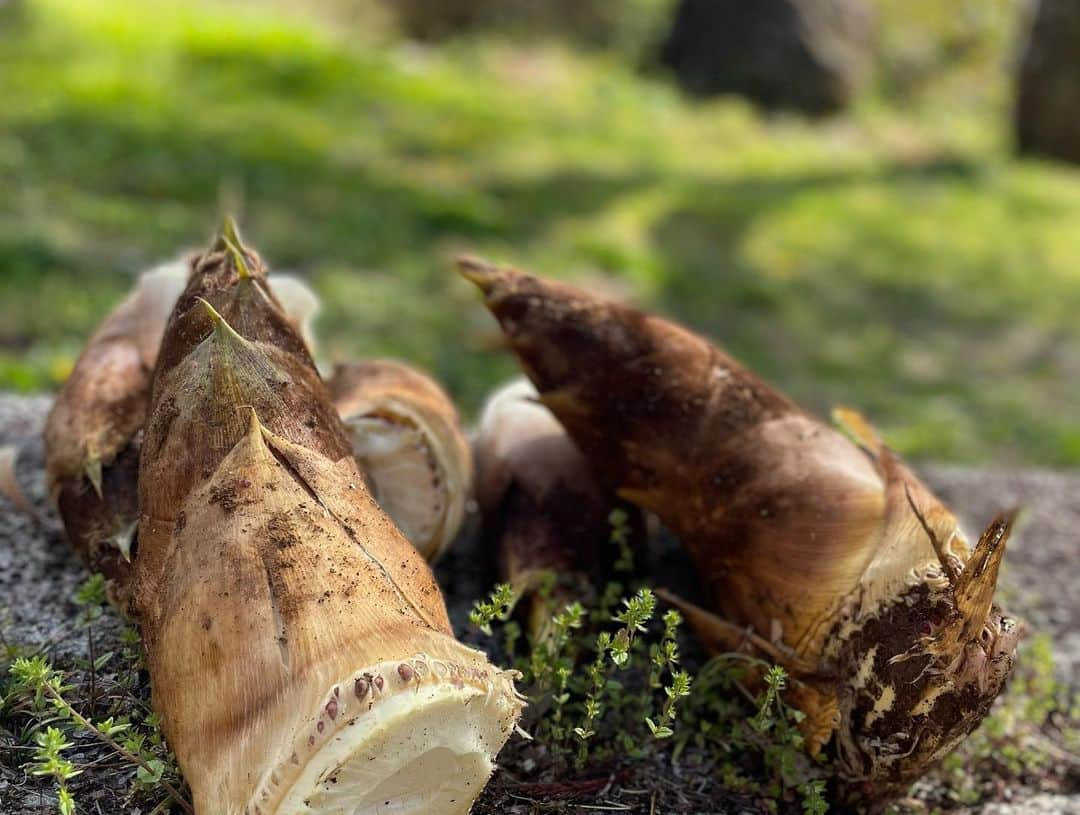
299,650
831,551
545,515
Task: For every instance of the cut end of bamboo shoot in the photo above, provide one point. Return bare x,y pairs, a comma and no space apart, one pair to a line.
416,737
404,478
408,442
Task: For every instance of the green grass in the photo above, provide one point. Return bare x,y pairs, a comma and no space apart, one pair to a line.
899,262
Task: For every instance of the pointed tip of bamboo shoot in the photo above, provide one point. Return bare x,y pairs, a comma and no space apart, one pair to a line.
123,539
92,471
229,241
230,231
255,427
242,269
243,272
486,276
221,325
211,312
977,583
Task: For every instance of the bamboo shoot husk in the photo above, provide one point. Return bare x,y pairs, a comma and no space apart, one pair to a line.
545,515
93,431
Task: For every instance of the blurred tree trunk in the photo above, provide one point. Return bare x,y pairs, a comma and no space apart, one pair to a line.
585,20
807,55
438,19
1048,97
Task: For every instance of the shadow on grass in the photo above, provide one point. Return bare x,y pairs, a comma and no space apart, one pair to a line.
849,315
941,349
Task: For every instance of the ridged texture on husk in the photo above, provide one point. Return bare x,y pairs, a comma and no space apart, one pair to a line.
94,431
544,514
811,540
299,650
408,441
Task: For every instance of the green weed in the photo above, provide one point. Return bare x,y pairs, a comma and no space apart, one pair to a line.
42,708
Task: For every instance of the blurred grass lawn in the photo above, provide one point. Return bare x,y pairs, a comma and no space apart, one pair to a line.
901,263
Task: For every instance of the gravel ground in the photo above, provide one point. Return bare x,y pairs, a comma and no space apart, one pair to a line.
1043,560
38,577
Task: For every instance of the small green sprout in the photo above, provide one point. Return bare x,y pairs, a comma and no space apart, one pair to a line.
813,798
775,682
49,760
597,680
92,592
665,656
498,606
44,685
678,689
547,654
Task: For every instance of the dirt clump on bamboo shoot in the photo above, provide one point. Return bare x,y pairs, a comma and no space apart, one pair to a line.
408,441
846,569
298,646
